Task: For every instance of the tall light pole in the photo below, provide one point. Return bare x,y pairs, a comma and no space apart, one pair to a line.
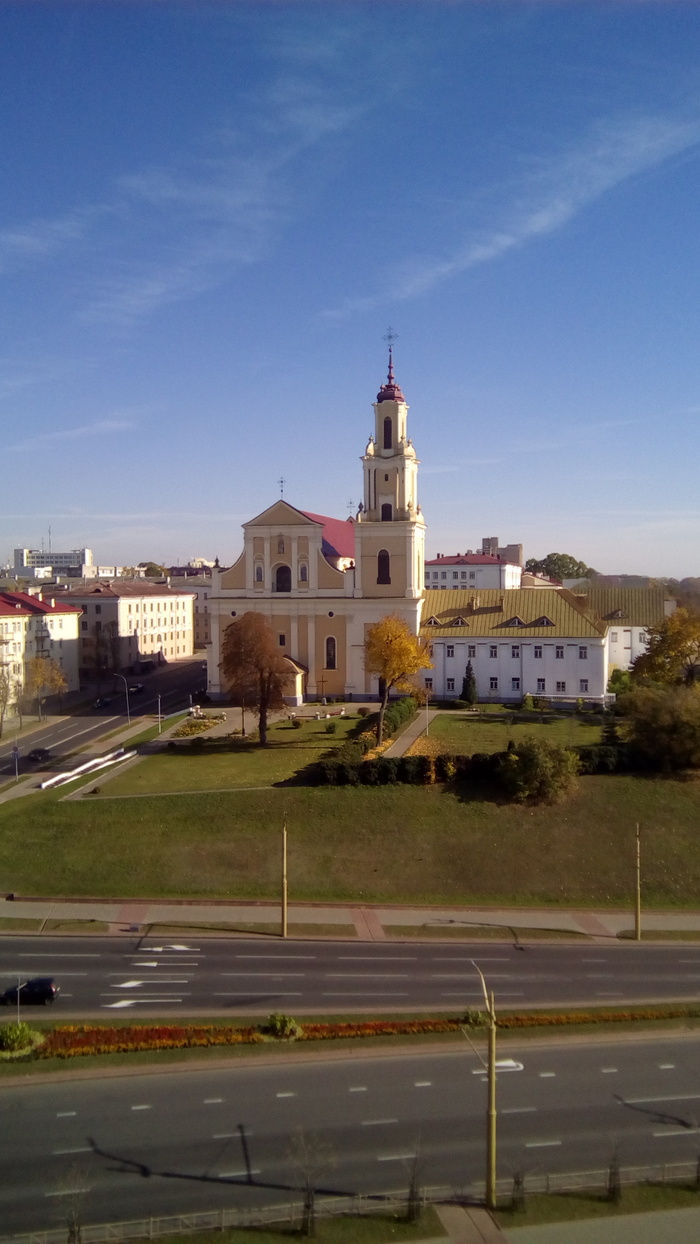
427,711
491,1110
126,694
160,719
284,877
638,891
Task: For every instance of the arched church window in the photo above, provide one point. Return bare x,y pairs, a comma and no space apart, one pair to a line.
258,574
283,579
387,433
386,512
383,567
280,545
304,573
330,653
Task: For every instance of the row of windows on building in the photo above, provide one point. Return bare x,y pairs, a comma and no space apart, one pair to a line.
515,651
456,574
515,685
12,628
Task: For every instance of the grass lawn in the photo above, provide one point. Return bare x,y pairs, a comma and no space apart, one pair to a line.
377,1229
464,734
384,844
568,1206
248,765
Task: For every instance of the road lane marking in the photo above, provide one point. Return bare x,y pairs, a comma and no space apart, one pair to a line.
359,1088
642,1101
126,1002
461,993
594,961
678,1131
396,1157
541,1144
168,980
377,1122
68,1192
257,993
142,1107
519,1110
345,993
213,1101
34,954
367,976
227,1135
376,958
285,1094
460,959
547,1075
273,958
256,975
423,1084
83,1149
667,1066
66,1114
608,1071
609,993
238,1174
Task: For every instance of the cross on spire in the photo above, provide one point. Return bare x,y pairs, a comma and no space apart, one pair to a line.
390,336
281,481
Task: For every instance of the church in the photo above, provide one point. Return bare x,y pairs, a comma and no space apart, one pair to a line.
322,582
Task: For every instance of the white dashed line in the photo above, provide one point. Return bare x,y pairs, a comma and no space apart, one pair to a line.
677,1131
285,1094
66,1114
376,959
213,1101
226,1135
642,1101
395,1157
547,1075
83,1149
257,975
608,1071
238,1174
141,1107
423,1084
377,1122
68,1192
367,976
541,1144
519,1110
667,1066
359,1088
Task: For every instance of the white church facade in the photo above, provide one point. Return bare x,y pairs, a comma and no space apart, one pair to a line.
322,582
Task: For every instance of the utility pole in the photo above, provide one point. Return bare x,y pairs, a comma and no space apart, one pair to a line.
284,877
160,718
427,711
638,892
491,1116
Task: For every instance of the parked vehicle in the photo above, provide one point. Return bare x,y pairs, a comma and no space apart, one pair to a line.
103,701
39,991
137,688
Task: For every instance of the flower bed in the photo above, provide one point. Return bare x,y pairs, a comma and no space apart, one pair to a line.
72,1041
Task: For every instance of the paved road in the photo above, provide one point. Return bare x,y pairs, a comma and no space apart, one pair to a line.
187,975
159,1144
86,725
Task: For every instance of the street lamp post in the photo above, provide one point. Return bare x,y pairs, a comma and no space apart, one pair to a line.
427,711
160,719
126,695
491,1110
284,878
15,756
638,892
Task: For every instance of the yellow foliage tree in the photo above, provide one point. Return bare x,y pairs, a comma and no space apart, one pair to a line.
394,654
44,677
673,653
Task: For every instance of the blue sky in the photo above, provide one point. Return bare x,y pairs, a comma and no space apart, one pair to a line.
211,212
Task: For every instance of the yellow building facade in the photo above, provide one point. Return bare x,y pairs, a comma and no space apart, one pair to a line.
322,582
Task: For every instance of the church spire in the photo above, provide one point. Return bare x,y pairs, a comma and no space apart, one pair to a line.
391,391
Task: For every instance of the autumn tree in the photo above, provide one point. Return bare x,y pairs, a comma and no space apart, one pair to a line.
673,652
394,654
44,677
5,685
253,666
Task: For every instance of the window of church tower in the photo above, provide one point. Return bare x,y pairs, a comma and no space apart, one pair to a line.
383,567
258,574
283,579
387,433
304,573
330,653
386,512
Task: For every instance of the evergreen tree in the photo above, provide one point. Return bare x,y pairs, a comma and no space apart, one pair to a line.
469,691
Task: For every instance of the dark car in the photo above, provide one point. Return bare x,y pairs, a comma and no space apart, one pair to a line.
136,688
103,701
39,754
39,991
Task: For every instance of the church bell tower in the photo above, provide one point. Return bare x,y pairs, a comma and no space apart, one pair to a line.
390,531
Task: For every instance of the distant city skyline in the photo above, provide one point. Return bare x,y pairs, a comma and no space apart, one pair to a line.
211,214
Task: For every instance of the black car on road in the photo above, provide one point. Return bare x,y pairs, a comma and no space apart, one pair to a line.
39,991
39,754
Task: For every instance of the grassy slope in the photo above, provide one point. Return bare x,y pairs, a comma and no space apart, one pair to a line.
386,844
464,734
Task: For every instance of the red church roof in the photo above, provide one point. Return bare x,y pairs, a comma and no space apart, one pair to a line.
338,535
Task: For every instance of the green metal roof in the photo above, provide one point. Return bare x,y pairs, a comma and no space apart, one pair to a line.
492,613
639,606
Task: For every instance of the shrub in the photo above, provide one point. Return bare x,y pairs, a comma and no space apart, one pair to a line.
601,758
415,770
15,1036
282,1027
388,770
528,703
172,747
331,727
197,745
347,773
663,725
538,772
363,711
370,772
296,723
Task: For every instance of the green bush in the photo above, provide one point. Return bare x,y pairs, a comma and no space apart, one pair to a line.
363,711
414,770
331,727
389,770
296,723
538,772
282,1027
15,1036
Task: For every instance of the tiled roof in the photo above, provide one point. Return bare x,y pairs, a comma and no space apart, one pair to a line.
493,612
466,559
127,587
14,603
639,606
338,535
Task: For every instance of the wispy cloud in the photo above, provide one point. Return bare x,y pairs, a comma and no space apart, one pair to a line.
545,199
102,427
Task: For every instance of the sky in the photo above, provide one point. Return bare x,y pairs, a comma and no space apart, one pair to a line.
212,212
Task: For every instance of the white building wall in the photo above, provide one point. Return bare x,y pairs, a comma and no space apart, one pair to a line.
509,669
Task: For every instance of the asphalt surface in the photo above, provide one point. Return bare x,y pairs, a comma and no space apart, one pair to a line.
189,975
87,725
172,1142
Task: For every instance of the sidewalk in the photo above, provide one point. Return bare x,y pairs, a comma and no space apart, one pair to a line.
412,732
672,1226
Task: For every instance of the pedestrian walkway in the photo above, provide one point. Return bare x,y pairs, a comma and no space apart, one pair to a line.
672,1226
469,1225
412,732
